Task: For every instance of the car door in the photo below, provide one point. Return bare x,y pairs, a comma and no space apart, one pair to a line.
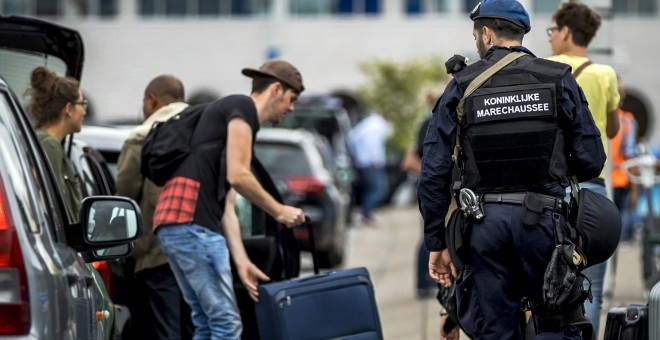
55,285
26,43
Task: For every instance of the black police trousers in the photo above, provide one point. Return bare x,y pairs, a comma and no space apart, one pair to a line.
507,262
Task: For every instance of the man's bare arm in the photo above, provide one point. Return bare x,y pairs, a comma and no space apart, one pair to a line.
240,177
612,127
249,274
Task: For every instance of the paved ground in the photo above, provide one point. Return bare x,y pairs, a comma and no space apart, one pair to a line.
389,252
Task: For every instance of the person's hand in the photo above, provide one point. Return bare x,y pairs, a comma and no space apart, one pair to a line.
439,267
250,275
290,216
454,334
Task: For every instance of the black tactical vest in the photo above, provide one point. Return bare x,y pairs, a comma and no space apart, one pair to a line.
510,134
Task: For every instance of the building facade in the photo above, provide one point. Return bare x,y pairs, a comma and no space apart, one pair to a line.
207,42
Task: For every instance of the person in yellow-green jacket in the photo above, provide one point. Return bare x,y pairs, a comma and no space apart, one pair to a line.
573,27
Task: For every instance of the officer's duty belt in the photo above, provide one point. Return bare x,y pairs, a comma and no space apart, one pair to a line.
549,202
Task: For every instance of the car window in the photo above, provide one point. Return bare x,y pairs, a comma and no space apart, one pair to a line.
111,158
322,121
90,186
16,67
326,153
244,213
281,159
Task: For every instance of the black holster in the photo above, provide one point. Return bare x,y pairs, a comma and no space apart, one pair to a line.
532,209
555,318
563,293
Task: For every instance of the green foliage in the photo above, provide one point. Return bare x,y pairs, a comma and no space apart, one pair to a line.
399,91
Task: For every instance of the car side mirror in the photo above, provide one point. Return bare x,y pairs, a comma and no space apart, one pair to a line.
105,222
111,221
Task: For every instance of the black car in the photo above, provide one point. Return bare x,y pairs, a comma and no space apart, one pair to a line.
300,162
49,287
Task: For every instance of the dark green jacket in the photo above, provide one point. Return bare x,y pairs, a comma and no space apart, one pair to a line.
66,178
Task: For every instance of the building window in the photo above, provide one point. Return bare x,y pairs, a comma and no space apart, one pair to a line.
14,7
546,6
178,8
47,8
209,7
357,7
147,8
333,7
175,8
56,8
414,7
309,7
470,5
635,7
107,8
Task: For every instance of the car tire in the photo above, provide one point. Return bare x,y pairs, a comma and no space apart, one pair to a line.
331,258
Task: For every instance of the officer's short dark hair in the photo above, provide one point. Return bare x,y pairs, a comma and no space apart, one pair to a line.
503,29
261,83
581,20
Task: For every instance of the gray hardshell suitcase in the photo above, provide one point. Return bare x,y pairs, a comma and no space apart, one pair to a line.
654,312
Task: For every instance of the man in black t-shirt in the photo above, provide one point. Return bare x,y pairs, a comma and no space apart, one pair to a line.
191,205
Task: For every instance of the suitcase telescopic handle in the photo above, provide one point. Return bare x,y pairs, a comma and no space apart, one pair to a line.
312,245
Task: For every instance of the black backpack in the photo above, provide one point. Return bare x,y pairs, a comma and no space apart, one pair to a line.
168,144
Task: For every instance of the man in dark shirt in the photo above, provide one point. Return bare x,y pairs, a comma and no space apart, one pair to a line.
507,152
191,205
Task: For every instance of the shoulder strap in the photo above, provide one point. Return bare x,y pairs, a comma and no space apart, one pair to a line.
579,70
475,84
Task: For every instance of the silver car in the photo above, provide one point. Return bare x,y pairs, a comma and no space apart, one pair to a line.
301,163
48,288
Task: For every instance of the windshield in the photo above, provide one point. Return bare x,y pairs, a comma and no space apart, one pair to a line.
283,160
320,120
16,67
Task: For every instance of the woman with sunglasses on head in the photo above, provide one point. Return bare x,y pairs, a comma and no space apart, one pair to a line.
57,106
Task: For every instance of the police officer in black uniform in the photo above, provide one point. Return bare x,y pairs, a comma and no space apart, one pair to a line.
524,131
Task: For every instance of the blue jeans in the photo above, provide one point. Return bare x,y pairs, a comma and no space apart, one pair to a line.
595,273
199,259
374,188
622,201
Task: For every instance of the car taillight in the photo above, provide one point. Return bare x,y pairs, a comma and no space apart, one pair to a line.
309,186
104,270
14,298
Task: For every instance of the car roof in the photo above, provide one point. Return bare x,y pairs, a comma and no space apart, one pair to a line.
285,135
38,36
103,138
319,101
307,141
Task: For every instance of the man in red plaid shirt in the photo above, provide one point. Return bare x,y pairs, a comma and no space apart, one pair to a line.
187,218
